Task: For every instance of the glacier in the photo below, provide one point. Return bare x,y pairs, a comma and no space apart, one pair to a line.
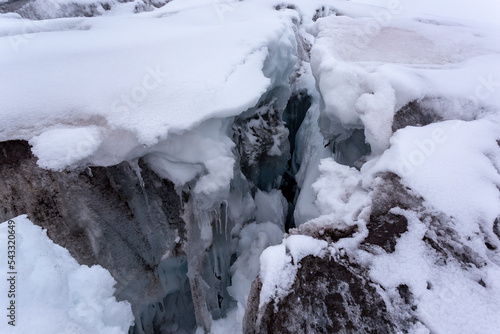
254,166
54,293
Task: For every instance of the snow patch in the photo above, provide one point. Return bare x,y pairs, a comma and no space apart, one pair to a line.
54,294
279,265
59,148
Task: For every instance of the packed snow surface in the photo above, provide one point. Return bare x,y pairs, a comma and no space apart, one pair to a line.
68,85
53,293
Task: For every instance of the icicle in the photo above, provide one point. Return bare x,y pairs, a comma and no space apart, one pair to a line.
217,222
134,164
89,172
197,242
225,219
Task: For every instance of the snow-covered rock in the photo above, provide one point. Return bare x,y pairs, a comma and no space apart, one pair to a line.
413,222
175,146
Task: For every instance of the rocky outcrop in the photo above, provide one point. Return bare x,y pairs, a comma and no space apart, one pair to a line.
338,292
328,296
124,218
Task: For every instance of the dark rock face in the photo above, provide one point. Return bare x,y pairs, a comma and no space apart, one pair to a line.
262,142
325,11
14,152
335,294
12,5
32,10
131,222
329,233
252,308
386,227
112,216
328,296
496,227
414,114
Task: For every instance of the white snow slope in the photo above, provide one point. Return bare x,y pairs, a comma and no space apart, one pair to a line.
107,89
52,292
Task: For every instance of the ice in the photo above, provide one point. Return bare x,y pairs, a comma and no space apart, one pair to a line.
309,151
54,294
271,207
254,238
230,324
351,150
198,89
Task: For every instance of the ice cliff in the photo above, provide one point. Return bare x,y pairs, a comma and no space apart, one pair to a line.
256,166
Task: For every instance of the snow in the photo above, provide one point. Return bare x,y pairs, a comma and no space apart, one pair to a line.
371,64
54,294
121,76
367,65
167,84
58,148
338,191
231,323
453,168
279,264
450,299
